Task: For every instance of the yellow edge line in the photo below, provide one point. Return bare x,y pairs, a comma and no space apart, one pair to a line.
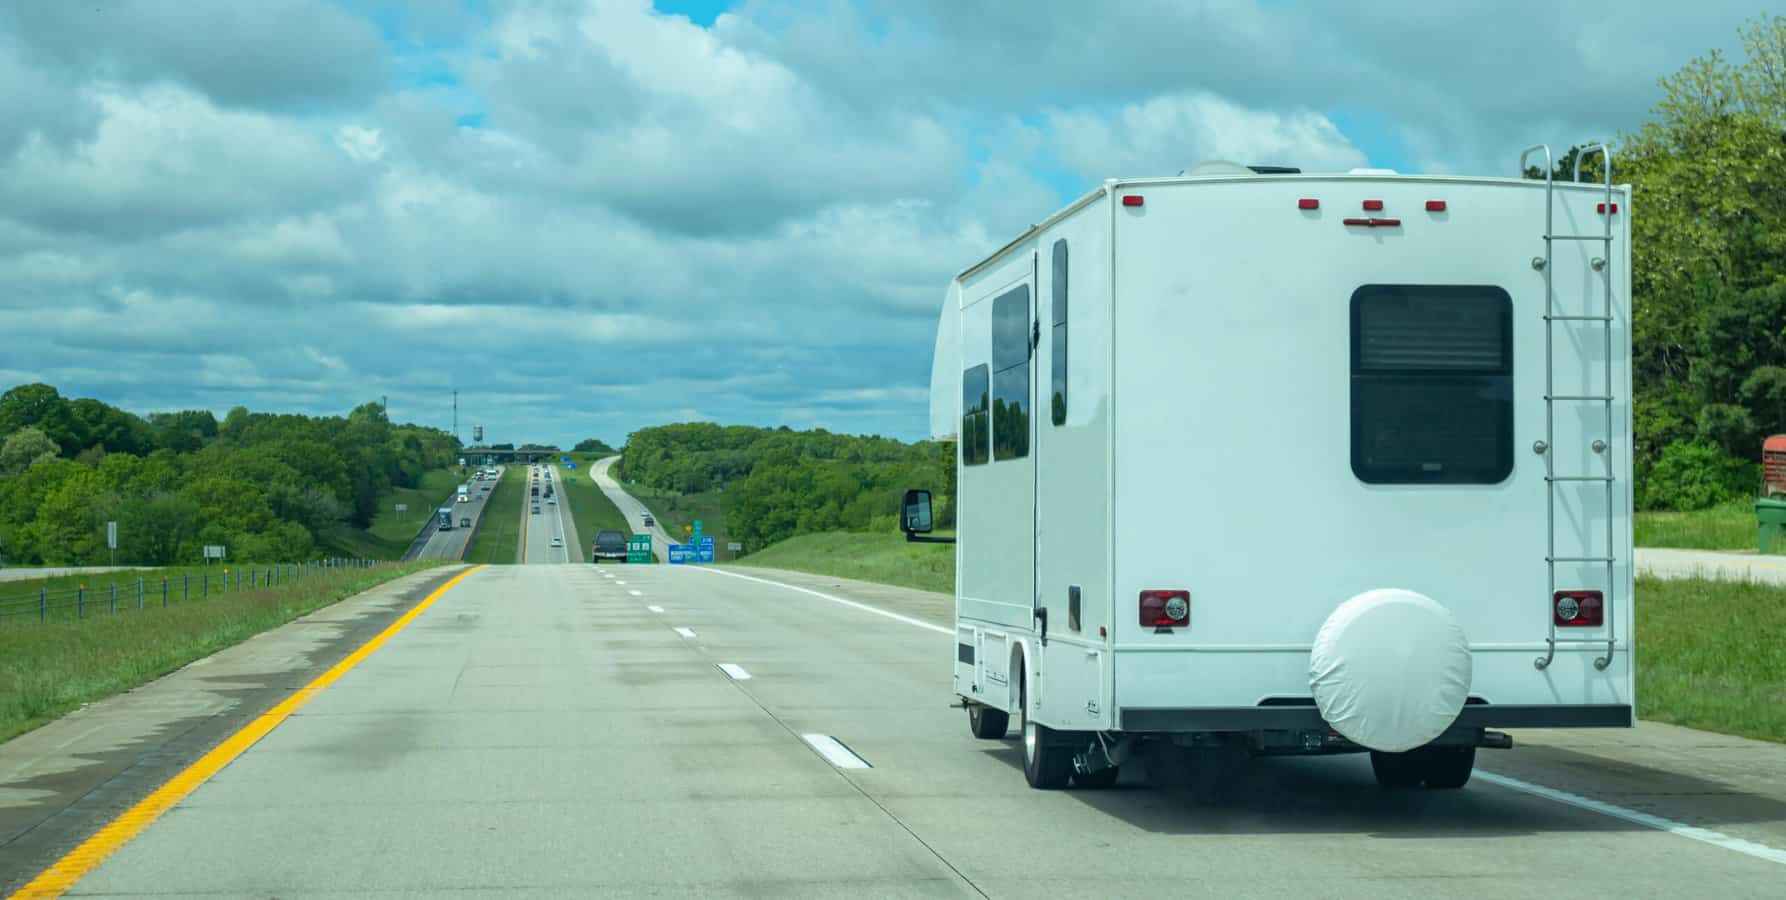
60,877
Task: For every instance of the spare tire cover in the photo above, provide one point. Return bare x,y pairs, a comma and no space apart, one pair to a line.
1390,669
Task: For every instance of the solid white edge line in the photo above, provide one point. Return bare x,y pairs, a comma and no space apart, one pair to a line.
835,752
824,596
1714,838
685,632
655,609
736,671
1705,836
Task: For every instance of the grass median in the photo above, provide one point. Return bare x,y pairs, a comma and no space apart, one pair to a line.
499,530
590,509
868,556
48,670
676,514
1711,654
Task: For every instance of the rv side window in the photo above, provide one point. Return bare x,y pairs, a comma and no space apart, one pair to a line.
1010,374
1432,384
974,406
1058,358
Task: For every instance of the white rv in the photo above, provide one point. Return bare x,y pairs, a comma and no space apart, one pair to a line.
1289,463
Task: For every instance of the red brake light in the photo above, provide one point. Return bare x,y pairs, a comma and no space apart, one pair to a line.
1131,199
1601,207
1308,203
1435,206
1373,205
1165,609
1578,609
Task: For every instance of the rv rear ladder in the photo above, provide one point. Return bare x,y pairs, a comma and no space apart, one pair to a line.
1601,447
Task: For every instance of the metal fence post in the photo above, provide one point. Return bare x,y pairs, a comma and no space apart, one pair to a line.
185,587
43,605
207,584
164,592
139,592
114,602
80,602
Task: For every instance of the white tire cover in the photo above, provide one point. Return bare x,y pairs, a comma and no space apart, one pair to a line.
1390,669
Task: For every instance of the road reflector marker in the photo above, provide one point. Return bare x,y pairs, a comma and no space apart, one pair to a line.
636,593
685,632
736,671
655,609
835,752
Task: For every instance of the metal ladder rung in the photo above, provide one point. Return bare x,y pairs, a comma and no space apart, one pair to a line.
1601,397
1577,318
1579,559
1578,237
1578,478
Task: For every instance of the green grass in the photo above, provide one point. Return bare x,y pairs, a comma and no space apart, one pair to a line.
499,530
676,513
1727,527
391,531
47,670
880,557
1712,655
591,509
20,600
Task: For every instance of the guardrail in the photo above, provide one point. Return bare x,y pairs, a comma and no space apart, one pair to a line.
145,593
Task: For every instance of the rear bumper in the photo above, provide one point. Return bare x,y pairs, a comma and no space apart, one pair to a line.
1308,718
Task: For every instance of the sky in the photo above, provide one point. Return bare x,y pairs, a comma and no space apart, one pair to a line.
592,216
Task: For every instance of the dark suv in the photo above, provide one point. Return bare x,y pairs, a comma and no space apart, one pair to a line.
609,544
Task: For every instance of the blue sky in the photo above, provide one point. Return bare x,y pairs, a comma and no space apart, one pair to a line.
588,216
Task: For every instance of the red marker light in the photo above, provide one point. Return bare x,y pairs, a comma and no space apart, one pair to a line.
1131,199
1308,203
1435,206
1373,205
1601,207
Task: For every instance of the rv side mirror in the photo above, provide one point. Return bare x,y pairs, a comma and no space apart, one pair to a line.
914,517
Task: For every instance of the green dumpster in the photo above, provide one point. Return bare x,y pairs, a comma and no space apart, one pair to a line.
1770,519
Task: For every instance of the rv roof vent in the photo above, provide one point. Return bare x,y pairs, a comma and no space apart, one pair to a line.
1371,172
1224,167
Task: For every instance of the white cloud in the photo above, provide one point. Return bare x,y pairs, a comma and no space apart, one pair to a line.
1168,134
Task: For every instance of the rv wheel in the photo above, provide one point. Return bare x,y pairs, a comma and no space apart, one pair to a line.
1449,768
1046,764
987,724
1399,770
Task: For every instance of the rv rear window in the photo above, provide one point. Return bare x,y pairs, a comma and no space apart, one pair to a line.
976,443
1432,392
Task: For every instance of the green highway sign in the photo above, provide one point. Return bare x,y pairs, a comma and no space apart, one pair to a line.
638,549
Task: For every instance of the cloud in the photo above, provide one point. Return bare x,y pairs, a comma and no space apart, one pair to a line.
1166,135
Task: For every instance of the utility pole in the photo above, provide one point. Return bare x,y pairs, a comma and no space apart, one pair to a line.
455,415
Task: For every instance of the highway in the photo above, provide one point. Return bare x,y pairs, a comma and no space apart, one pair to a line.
578,731
631,508
552,521
451,544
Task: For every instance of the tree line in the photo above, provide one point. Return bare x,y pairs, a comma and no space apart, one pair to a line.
267,486
1708,246
780,482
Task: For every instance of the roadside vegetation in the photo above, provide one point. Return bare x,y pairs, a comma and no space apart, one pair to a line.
498,539
876,556
1727,526
272,488
1711,655
590,509
48,670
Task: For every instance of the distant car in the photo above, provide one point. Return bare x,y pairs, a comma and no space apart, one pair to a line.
649,521
536,510
552,500
465,523
557,541
609,544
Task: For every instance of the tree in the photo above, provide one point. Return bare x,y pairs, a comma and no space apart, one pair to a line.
592,445
24,448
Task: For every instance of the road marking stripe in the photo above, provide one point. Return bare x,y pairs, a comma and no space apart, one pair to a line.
835,752
824,596
70,869
619,582
1760,851
635,593
685,632
1715,838
736,671
655,609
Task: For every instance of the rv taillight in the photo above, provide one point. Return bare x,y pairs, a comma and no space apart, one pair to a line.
1578,609
1373,205
1308,203
1601,207
1435,206
1165,609
1131,199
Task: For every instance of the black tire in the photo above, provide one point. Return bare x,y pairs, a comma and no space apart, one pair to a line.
986,723
1399,771
1449,768
1046,764
1097,781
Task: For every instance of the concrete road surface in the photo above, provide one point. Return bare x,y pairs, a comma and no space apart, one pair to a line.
581,731
1668,563
451,544
631,508
552,521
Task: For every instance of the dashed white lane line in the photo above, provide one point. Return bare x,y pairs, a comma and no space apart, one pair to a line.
685,632
736,671
636,593
1716,839
655,609
835,752
618,581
